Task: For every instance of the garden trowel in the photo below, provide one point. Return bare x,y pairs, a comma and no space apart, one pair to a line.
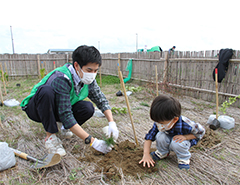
47,161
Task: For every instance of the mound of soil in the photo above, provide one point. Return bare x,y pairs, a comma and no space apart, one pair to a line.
209,140
126,155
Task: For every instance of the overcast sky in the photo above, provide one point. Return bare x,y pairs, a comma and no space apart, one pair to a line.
119,26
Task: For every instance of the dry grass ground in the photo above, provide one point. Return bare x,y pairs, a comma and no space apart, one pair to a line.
212,164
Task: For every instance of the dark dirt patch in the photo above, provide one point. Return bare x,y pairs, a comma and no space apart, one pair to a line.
209,140
126,156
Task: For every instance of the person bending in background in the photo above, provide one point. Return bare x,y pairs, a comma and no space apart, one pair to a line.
171,50
59,97
171,131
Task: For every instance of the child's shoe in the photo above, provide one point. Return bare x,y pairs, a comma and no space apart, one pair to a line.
183,164
156,156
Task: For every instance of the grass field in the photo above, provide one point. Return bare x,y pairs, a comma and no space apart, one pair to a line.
215,164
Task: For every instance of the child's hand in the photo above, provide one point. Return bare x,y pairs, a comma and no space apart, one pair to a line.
179,138
147,159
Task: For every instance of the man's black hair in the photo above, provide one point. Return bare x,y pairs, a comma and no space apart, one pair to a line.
164,108
86,54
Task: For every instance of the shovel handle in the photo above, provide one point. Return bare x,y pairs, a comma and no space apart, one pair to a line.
23,155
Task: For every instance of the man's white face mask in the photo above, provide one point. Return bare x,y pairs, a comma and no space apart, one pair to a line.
87,77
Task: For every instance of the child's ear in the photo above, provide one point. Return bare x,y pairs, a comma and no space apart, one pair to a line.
175,119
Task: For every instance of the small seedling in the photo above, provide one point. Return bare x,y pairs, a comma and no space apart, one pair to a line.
228,103
73,175
109,141
42,72
144,104
134,89
116,110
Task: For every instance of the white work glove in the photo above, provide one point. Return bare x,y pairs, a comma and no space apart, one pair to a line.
101,146
112,129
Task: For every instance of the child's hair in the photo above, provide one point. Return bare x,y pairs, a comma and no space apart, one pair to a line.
165,108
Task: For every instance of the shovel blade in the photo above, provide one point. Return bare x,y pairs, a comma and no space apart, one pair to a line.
47,161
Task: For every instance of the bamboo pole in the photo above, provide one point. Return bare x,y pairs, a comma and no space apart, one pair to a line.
156,74
4,85
128,106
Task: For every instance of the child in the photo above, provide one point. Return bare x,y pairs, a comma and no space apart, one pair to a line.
171,131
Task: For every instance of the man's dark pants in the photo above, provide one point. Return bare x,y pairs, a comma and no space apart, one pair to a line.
42,108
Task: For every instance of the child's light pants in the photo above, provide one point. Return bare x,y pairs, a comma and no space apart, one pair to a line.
165,144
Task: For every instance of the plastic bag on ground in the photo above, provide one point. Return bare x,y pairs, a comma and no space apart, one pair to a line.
226,122
211,118
11,103
7,159
128,93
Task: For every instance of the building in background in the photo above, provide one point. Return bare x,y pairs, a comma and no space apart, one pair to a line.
60,51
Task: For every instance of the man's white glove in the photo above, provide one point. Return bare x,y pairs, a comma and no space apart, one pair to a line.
112,129
101,146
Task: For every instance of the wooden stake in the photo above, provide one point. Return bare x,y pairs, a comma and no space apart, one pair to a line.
128,106
156,79
216,85
4,85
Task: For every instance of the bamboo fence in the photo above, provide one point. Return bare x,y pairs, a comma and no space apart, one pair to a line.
185,72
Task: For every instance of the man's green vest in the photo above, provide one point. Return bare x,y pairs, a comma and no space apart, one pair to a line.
74,98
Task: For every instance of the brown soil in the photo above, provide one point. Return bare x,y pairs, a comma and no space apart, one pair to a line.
209,140
126,156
